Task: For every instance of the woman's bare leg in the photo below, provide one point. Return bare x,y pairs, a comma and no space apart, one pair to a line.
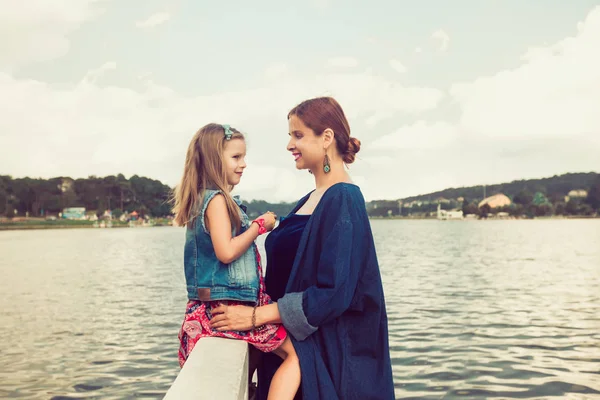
286,381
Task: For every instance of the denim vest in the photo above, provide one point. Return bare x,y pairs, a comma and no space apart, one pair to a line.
207,278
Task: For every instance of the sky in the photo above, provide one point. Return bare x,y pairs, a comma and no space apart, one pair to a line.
440,93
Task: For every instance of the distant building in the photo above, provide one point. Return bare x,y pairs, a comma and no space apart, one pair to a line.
576,194
445,214
91,216
460,199
74,213
495,201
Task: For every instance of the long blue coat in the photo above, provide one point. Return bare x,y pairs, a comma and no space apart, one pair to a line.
334,308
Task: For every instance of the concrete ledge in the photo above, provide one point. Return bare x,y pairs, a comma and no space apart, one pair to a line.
216,369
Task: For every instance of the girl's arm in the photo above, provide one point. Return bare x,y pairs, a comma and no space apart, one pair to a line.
218,223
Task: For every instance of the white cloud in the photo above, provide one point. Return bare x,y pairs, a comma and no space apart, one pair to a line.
93,75
89,128
342,62
322,5
366,93
555,92
377,161
275,183
418,50
154,20
398,66
420,135
536,119
37,30
443,38
276,71
377,117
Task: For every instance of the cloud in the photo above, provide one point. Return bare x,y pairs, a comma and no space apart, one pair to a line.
91,128
378,161
154,20
418,50
398,66
322,5
443,38
37,30
420,135
377,117
555,92
365,93
535,120
93,75
342,62
276,71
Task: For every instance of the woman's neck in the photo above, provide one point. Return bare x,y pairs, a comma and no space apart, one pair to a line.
324,181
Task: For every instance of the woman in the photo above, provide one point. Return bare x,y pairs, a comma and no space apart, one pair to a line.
322,271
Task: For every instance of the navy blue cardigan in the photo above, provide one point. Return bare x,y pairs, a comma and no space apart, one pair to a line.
334,308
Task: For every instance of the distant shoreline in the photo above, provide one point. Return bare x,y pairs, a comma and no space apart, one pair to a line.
557,217
25,225
68,224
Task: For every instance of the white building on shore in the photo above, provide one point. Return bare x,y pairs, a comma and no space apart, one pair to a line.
447,214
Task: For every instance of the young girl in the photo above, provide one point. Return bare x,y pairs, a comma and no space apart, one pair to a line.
221,261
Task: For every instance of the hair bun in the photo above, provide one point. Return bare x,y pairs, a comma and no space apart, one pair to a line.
353,148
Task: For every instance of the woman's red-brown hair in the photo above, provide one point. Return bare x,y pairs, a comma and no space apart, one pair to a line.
325,112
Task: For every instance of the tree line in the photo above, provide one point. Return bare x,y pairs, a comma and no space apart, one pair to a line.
42,197
150,197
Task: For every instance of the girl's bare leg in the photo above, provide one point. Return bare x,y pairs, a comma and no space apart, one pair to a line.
255,356
286,381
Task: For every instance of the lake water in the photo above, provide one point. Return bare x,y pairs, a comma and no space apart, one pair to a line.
477,309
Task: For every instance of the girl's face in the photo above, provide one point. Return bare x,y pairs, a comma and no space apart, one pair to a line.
234,161
306,147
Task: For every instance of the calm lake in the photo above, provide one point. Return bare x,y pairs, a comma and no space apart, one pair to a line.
477,309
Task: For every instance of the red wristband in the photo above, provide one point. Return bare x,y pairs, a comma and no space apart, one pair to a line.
261,225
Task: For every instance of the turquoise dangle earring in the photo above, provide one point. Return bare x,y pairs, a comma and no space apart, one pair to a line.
326,166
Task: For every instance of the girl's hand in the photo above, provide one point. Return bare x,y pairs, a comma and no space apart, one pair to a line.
232,318
269,219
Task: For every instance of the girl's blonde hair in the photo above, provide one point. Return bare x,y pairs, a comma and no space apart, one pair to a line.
204,169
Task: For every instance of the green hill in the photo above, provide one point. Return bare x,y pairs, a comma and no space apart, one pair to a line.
530,197
556,186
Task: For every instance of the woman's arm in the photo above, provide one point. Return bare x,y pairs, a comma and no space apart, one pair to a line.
339,268
303,312
337,278
268,314
239,318
218,223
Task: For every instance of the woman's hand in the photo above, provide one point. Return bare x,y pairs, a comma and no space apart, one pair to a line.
232,318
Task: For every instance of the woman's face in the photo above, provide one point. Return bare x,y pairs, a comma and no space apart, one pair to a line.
306,147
